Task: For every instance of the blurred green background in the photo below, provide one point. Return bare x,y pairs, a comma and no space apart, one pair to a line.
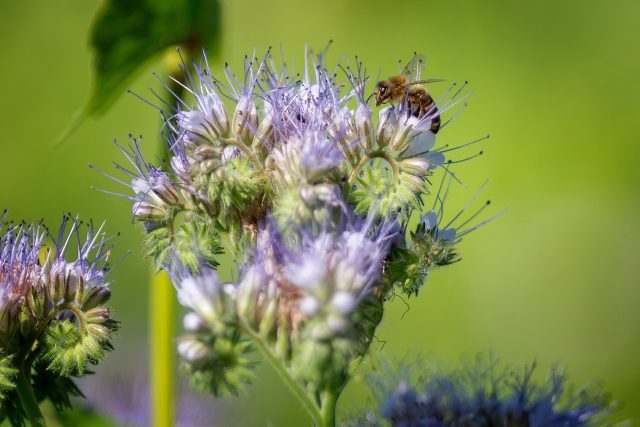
556,278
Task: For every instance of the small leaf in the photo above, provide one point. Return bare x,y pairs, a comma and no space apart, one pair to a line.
7,374
58,389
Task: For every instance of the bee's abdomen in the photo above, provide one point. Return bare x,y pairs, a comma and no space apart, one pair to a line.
435,120
426,106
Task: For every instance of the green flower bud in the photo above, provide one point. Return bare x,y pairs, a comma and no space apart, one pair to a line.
417,166
95,296
145,211
264,132
245,119
247,295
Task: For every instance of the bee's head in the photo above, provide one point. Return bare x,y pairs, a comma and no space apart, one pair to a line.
381,92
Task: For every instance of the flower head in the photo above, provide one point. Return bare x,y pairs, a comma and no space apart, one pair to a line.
20,270
310,191
482,393
36,274
53,320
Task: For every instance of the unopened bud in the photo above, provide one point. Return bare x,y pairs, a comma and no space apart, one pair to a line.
144,211
363,124
193,323
412,182
205,152
248,290
417,166
387,121
193,350
166,192
264,131
209,165
310,306
218,112
73,283
97,314
344,302
245,119
95,296
269,316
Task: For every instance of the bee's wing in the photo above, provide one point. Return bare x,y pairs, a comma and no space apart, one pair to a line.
413,69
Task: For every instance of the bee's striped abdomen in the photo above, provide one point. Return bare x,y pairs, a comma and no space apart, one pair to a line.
421,104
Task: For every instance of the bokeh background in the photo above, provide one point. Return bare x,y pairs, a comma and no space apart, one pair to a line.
555,84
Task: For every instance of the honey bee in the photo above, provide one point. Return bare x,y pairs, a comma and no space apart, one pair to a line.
401,88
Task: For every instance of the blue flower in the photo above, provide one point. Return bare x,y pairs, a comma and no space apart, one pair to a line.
482,394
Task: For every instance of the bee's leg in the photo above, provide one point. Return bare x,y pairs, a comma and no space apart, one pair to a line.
416,109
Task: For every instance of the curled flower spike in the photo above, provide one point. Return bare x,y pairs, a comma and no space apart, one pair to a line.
155,193
52,315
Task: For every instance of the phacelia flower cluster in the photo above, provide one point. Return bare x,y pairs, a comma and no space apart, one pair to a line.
53,319
313,194
482,393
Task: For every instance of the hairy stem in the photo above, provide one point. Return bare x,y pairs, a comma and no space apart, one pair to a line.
27,398
278,366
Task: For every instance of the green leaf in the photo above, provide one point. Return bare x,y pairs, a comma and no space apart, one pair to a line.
7,374
127,34
58,389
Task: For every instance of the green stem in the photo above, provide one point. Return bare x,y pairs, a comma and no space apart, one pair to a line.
79,316
161,324
293,385
328,408
365,159
27,398
246,151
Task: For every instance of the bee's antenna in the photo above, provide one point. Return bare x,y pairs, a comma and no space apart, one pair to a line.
369,98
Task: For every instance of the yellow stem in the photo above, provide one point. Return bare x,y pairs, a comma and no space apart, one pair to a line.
161,327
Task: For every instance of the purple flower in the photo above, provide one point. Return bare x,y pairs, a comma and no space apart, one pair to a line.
326,272
34,265
482,393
